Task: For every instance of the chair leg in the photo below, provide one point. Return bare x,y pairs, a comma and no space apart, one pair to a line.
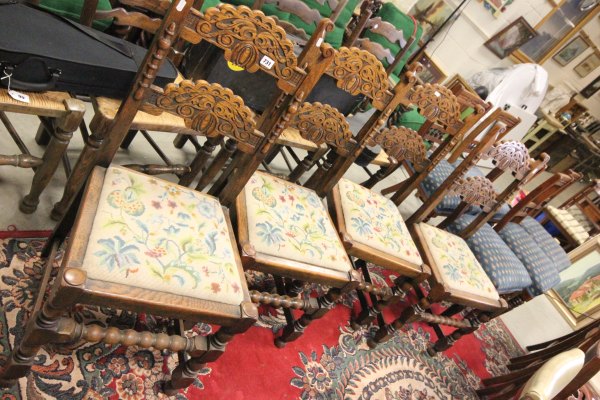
46,324
199,161
316,309
217,164
180,140
475,318
42,137
128,139
379,175
52,158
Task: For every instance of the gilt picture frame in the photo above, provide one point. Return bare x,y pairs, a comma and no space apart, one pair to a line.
577,296
589,64
572,50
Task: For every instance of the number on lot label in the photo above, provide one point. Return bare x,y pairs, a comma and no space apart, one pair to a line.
267,62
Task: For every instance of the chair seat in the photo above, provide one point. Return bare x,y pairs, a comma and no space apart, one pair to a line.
547,243
382,159
569,224
156,235
49,104
542,270
375,221
165,122
456,264
290,222
506,271
291,137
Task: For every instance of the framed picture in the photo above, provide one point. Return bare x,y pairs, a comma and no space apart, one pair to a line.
590,63
577,296
511,38
430,14
568,53
496,7
458,79
592,88
431,72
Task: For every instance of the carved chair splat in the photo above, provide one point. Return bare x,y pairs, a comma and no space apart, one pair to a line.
196,27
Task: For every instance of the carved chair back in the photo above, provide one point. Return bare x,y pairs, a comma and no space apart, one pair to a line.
532,204
523,169
438,104
395,36
303,12
493,128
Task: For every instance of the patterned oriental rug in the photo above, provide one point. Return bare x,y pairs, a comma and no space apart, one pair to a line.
330,361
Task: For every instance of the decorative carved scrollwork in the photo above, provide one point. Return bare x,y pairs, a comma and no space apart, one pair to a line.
359,72
375,48
402,143
476,190
511,155
321,123
248,36
387,30
437,103
210,109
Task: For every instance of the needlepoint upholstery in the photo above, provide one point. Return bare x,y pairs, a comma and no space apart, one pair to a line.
456,263
569,223
542,271
291,222
547,243
373,220
506,271
157,235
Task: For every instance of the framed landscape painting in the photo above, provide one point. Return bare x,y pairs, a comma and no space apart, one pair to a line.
568,53
577,296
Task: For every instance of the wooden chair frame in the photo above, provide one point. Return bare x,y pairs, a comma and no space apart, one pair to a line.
60,115
196,27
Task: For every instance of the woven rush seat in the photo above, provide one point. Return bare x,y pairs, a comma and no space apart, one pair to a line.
456,264
154,234
288,221
373,220
506,271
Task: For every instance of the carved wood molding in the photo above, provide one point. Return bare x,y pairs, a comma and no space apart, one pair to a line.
475,190
360,72
209,109
247,37
321,123
375,48
387,30
437,103
299,9
402,143
510,155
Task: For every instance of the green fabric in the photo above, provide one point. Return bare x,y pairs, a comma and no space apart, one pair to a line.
208,4
468,111
268,9
71,9
335,37
412,119
390,13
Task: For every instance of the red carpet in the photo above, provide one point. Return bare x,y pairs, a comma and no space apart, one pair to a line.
330,361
